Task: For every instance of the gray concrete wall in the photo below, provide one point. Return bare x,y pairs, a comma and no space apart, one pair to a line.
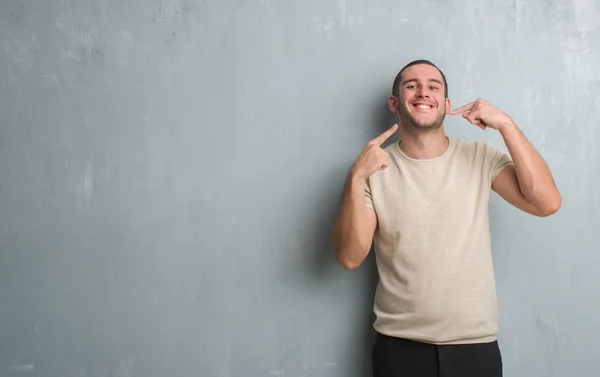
169,171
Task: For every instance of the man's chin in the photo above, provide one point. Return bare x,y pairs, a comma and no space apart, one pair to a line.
427,124
423,125
426,128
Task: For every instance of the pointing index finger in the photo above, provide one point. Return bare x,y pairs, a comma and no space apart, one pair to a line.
384,136
463,108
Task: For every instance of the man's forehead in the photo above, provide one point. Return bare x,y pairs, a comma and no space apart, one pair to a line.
422,72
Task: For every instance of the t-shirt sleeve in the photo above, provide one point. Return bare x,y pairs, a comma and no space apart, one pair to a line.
368,196
499,159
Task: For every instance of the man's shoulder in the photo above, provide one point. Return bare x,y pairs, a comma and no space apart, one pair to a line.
469,144
474,147
480,155
390,147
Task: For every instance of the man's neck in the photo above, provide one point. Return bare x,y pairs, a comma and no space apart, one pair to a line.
424,144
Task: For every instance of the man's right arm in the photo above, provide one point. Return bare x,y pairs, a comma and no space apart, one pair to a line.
355,224
354,227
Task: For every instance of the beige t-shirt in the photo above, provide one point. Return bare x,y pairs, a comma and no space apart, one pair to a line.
432,244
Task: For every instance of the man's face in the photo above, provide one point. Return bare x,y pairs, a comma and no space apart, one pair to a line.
422,104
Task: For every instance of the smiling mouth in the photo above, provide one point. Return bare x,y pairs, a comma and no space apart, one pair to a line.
422,106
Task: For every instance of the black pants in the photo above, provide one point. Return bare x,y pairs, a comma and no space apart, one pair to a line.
395,357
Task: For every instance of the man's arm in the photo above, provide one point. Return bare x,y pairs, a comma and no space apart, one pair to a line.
528,185
354,227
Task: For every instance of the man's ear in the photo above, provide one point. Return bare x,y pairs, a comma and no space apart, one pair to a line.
448,106
393,104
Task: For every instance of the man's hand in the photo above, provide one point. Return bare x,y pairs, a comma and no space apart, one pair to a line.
483,115
372,157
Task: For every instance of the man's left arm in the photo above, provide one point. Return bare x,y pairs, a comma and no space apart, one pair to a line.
527,183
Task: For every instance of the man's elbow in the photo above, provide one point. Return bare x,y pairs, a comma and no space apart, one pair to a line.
551,206
348,264
347,257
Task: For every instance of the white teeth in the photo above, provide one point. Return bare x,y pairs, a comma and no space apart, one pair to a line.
423,106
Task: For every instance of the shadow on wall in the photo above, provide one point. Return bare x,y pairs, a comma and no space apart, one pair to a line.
321,265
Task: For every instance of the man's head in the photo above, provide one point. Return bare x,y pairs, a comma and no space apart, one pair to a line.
420,96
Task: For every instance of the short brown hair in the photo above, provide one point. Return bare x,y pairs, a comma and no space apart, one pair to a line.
395,91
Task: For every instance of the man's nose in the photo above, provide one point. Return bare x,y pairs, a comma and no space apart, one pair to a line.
422,92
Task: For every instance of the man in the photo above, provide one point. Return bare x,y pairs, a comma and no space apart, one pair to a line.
424,203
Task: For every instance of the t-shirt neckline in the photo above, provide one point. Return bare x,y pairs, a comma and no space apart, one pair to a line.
447,152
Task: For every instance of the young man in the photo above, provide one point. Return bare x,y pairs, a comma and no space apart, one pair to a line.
424,203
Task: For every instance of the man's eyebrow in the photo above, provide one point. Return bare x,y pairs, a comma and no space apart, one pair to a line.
434,80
